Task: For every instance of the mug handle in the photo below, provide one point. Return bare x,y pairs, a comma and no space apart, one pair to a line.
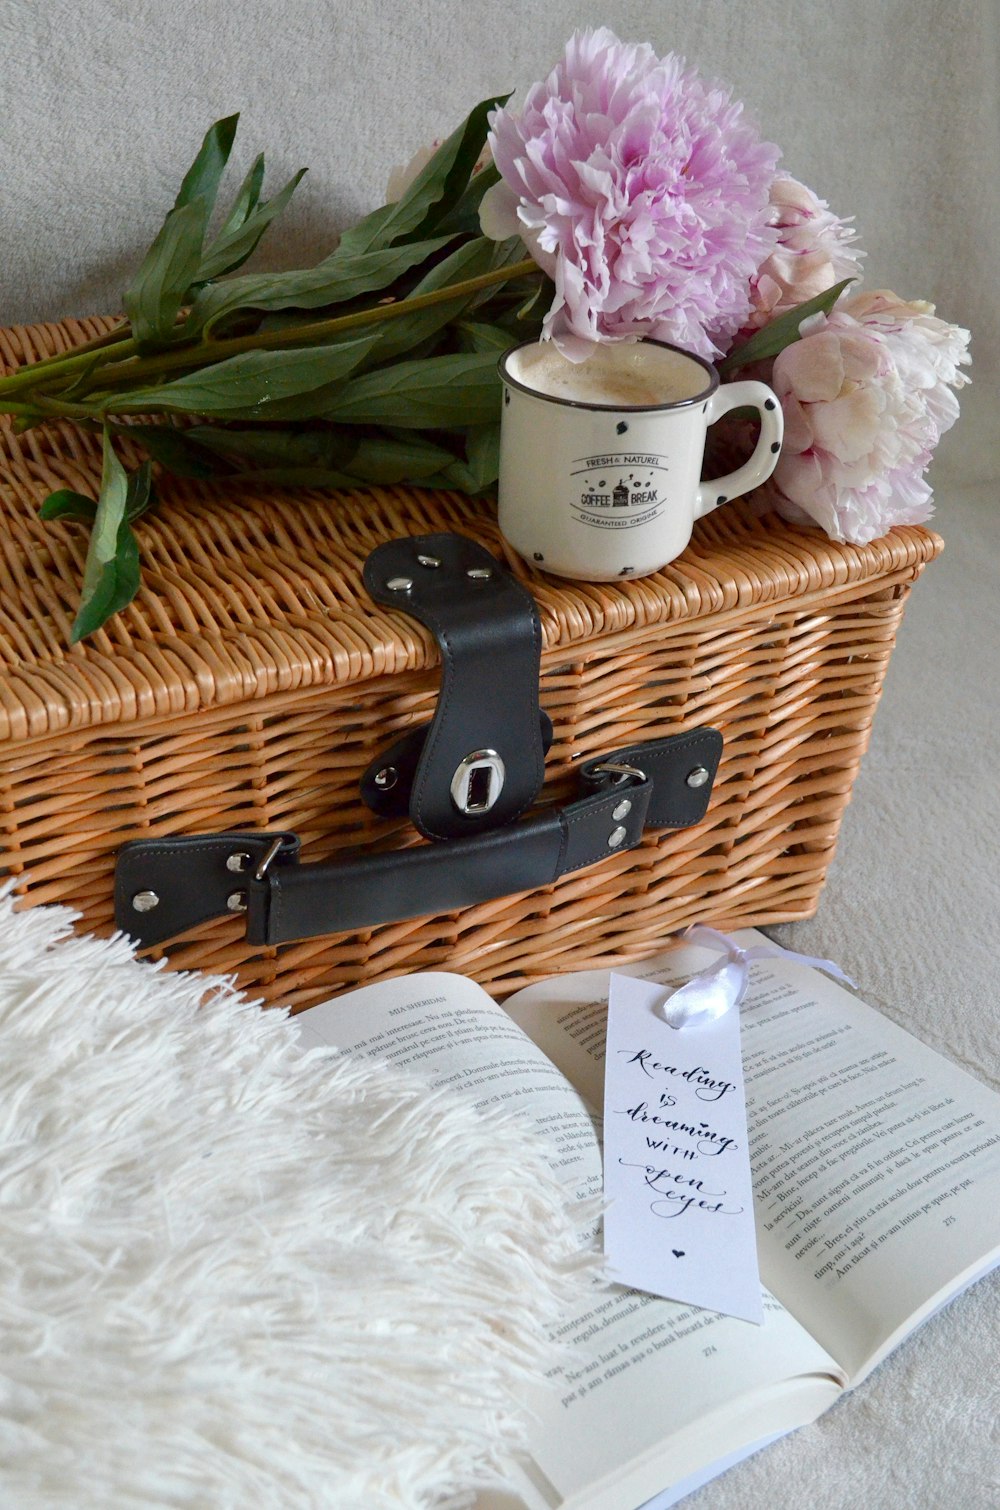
716,490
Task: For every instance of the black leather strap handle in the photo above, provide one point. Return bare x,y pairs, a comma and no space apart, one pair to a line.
163,887
481,762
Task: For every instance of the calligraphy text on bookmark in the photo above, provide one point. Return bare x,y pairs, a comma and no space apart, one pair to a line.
679,1220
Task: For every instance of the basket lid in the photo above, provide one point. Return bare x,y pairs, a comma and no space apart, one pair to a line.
254,591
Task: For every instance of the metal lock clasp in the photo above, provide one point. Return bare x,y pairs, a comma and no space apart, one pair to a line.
478,781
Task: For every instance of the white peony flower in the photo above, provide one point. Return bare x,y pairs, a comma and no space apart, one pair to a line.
867,394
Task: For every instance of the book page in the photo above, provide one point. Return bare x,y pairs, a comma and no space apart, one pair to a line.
876,1161
641,1370
448,1030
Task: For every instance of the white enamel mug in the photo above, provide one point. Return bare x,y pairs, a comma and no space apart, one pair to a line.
600,461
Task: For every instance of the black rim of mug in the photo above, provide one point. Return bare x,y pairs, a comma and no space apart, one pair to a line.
574,403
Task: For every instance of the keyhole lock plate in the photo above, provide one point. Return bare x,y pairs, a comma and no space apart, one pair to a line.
478,781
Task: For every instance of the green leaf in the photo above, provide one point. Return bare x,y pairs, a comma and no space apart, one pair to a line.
112,589
464,216
483,455
476,335
480,467
505,254
326,449
65,504
408,331
202,179
139,497
296,477
384,460
471,141
247,198
231,248
253,384
327,458
171,265
111,572
159,287
110,505
334,281
436,393
174,449
432,194
773,338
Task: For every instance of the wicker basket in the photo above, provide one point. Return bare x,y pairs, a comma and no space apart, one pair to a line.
253,680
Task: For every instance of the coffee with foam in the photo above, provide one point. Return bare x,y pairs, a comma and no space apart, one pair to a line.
618,376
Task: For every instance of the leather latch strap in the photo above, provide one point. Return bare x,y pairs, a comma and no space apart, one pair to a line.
480,763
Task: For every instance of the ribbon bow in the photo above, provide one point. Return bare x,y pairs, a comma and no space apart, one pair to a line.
722,985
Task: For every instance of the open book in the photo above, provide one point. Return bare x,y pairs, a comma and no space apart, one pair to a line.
876,1168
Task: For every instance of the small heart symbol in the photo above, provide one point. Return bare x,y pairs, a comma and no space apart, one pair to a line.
677,1252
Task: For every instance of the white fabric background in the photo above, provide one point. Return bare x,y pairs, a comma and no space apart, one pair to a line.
889,111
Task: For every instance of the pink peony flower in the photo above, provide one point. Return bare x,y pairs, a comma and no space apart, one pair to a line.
815,250
641,190
867,394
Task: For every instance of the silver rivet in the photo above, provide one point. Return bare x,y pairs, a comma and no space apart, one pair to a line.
145,901
386,778
237,901
430,561
698,776
238,862
399,584
622,810
617,836
479,573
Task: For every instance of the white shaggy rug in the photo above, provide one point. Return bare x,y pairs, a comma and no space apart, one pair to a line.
236,1275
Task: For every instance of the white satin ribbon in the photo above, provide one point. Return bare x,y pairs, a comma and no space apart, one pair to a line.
722,985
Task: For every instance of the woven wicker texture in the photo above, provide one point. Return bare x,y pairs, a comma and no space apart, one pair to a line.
253,680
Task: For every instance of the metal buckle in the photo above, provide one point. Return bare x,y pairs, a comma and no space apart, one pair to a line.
619,770
265,864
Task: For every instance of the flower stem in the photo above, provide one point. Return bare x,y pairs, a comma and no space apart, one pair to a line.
188,357
207,353
21,411
115,343
45,404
